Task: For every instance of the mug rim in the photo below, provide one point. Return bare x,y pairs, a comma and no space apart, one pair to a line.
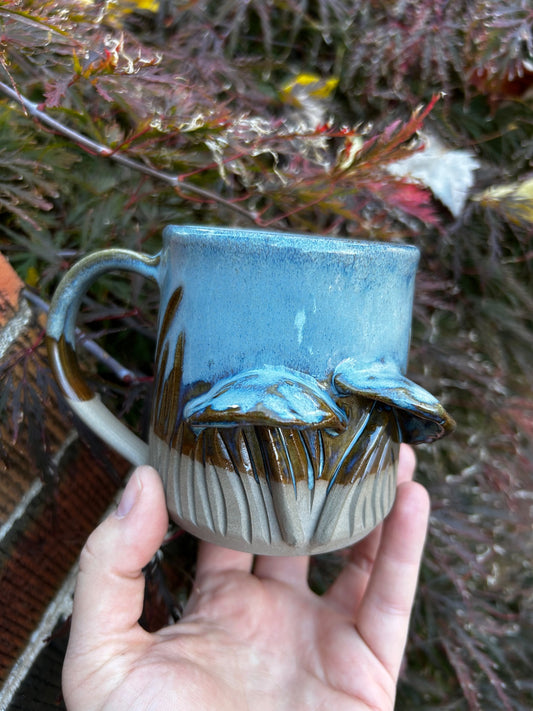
276,238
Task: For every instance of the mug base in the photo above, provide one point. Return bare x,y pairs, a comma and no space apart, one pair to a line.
271,518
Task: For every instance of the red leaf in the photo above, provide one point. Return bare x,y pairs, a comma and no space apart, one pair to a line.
103,93
55,91
410,198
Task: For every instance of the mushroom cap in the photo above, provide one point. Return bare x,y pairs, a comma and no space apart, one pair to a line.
420,415
269,396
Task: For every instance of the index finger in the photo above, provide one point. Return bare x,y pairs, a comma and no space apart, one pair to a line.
385,610
347,591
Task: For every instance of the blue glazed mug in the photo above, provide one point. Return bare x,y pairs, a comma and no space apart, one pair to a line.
280,395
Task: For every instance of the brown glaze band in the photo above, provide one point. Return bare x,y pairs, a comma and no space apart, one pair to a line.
65,365
289,455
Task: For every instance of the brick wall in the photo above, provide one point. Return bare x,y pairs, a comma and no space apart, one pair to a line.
53,492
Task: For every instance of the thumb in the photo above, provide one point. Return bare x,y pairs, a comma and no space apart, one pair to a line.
110,588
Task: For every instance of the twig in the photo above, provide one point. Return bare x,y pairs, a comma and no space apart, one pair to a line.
123,373
176,181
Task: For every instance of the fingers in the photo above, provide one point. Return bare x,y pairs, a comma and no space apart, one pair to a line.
384,612
214,559
110,587
347,591
292,570
406,464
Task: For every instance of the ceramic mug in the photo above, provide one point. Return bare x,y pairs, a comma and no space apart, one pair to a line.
280,397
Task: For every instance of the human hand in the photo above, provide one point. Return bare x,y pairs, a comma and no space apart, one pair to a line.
257,640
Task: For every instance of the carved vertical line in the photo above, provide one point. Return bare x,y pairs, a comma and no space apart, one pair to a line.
398,428
280,435
161,364
246,434
202,501
219,469
281,483
321,456
370,474
185,474
394,447
217,490
309,464
172,486
185,463
273,450
360,428
240,493
374,447
193,471
174,474
378,490
311,473
357,490
175,387
263,438
162,465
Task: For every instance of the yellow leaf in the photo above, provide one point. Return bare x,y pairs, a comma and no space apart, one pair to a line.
307,86
148,5
32,276
117,9
78,69
514,200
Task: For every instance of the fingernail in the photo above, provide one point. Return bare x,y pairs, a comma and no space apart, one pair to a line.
129,497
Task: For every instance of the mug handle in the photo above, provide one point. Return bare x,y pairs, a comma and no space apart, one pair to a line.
61,340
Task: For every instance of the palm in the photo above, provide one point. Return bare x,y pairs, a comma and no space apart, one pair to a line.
258,641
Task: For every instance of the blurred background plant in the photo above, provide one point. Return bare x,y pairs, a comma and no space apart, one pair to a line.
408,120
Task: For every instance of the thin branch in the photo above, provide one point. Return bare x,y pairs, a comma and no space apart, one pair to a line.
122,373
94,147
